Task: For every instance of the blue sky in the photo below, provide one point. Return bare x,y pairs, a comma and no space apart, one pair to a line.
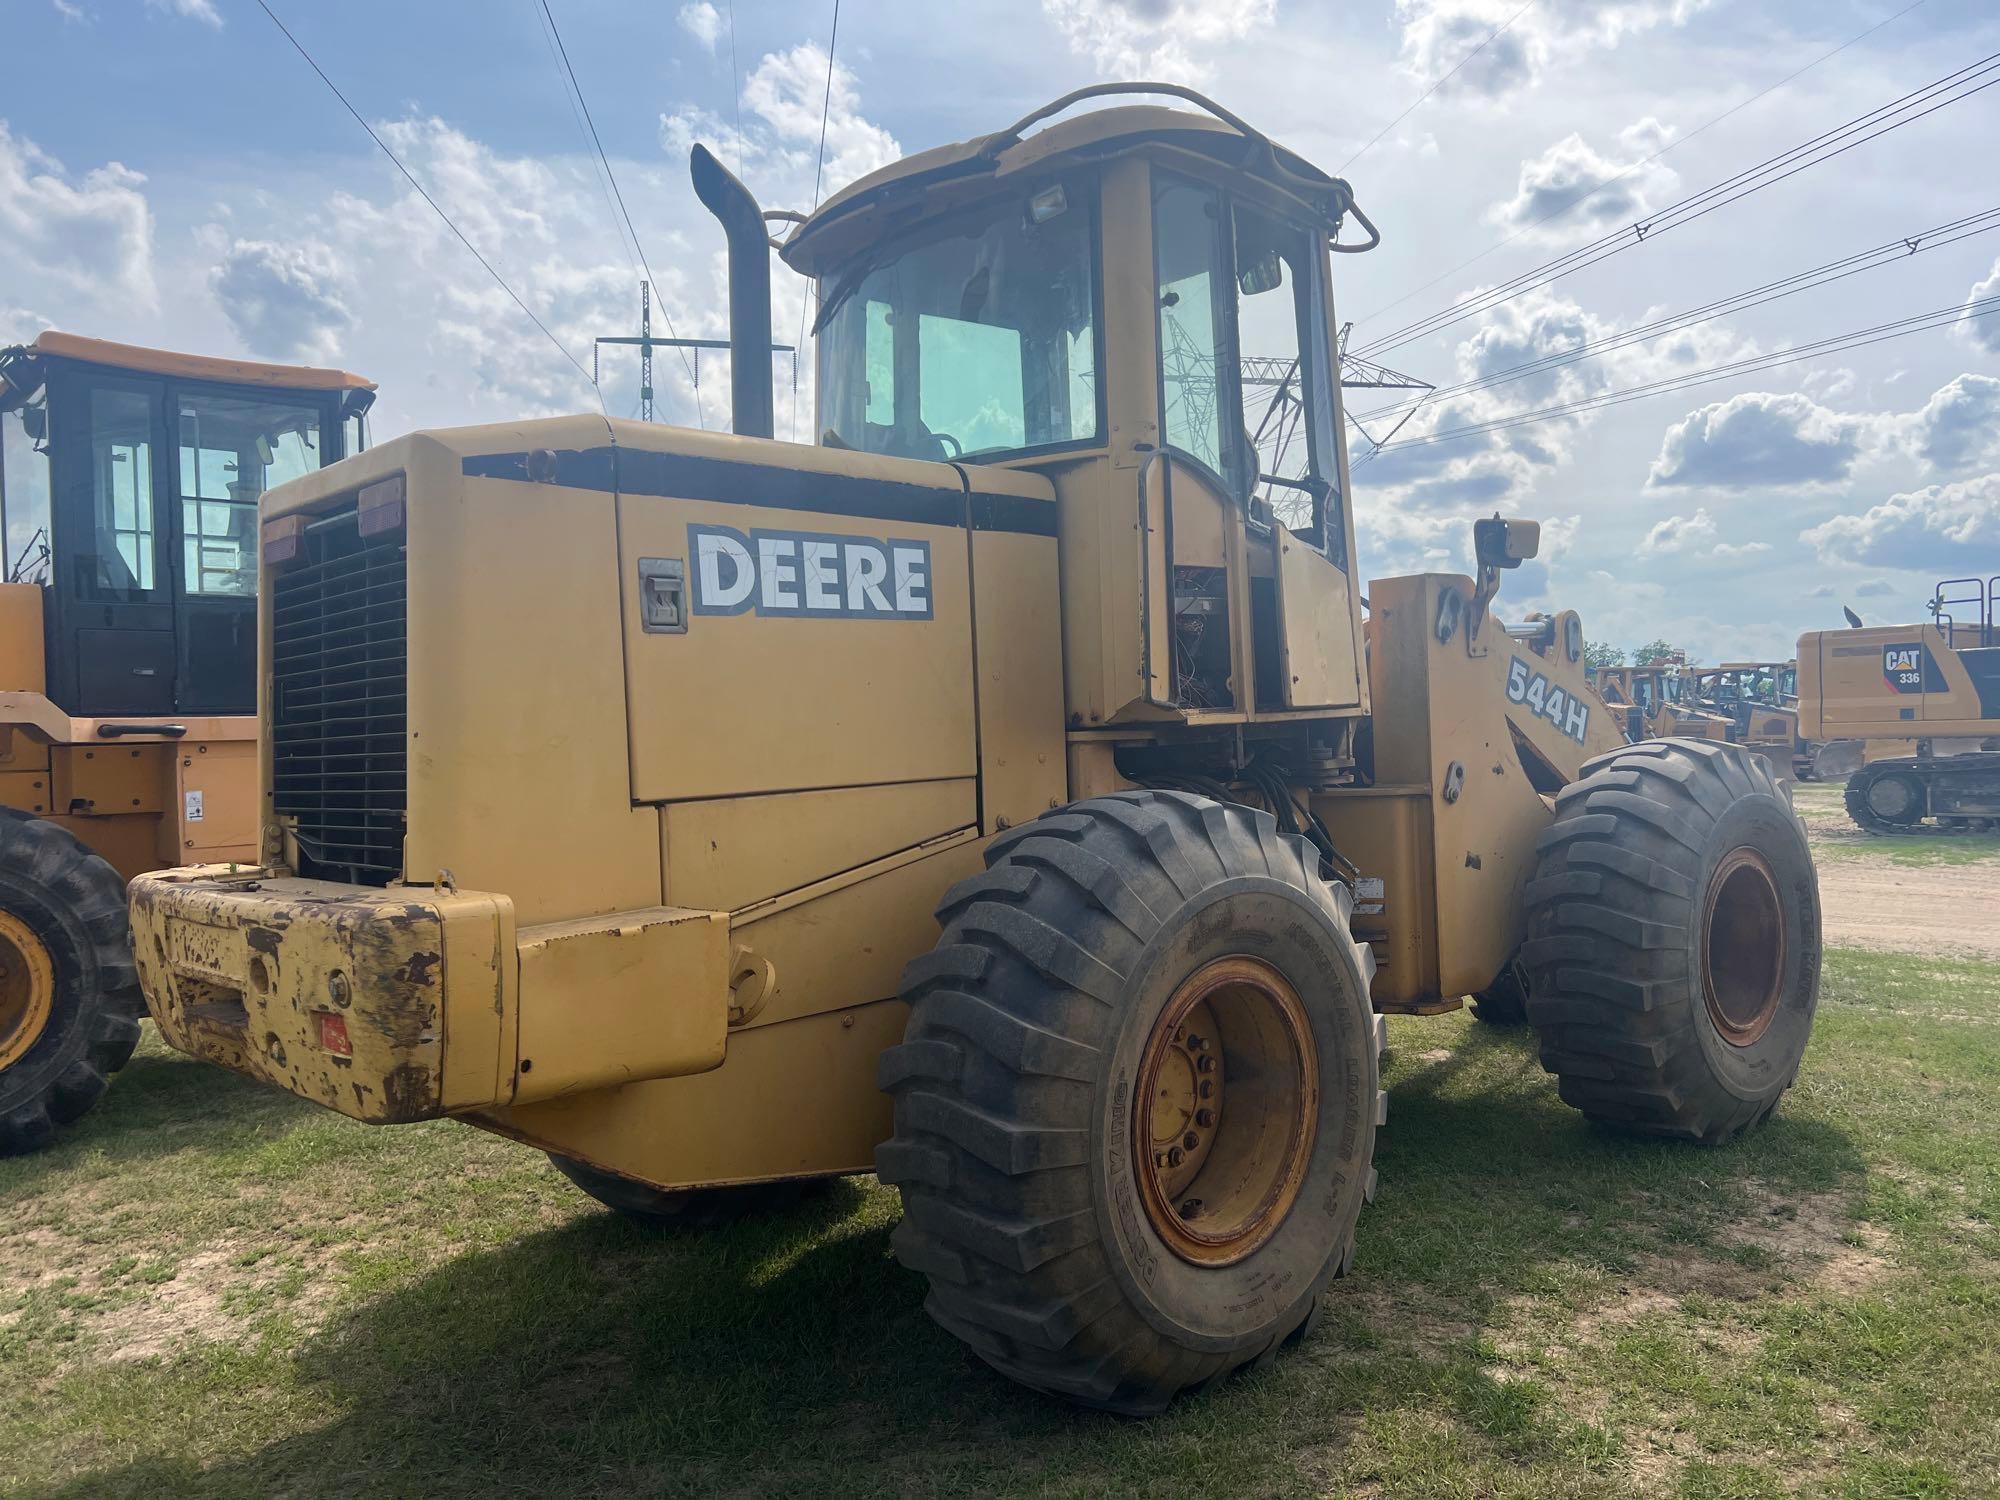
171,173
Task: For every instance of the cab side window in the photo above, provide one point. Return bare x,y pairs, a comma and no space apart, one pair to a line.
1189,277
122,559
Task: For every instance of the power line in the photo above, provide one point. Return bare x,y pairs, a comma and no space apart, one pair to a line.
1491,37
819,166
1982,307
500,280
596,169
623,211
1916,105
1891,252
1673,145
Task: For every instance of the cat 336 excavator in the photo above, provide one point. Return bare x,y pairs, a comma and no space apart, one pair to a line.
1935,689
613,773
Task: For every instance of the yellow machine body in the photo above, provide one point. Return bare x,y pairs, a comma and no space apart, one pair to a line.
1922,703
681,737
145,790
1897,682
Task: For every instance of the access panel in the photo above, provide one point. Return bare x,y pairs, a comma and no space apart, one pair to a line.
789,628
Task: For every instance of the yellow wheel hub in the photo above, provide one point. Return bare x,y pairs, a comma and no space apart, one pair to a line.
27,988
1226,1109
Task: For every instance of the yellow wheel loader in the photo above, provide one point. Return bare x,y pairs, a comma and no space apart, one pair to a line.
128,652
1924,703
1656,701
1005,794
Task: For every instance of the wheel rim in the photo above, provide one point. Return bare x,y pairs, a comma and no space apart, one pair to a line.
1743,959
1225,1111
1892,798
27,988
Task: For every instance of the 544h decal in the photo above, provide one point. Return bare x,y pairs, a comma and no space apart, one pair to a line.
1568,713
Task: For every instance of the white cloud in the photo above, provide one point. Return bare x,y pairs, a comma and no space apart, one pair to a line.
1760,439
779,145
1438,35
1606,190
1942,528
192,10
69,10
1537,330
1983,328
1959,427
1165,39
93,234
1680,534
701,21
286,302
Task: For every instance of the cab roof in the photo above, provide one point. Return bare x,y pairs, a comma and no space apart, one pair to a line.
144,361
918,186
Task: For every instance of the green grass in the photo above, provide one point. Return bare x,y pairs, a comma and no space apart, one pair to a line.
209,1288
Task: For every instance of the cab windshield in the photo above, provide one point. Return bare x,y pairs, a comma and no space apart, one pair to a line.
981,340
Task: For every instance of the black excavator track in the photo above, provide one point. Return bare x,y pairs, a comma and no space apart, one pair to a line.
1926,794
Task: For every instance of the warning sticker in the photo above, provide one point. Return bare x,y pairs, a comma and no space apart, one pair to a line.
1368,887
193,813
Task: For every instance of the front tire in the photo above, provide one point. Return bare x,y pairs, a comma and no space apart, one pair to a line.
69,994
1673,948
1135,1108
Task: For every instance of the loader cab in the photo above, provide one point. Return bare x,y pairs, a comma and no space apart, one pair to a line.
130,489
1137,304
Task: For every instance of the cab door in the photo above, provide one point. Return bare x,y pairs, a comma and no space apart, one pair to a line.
112,602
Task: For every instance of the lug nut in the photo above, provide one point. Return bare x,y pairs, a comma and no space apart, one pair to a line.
1159,1158
1191,1140
1207,1088
1204,1064
1173,1156
1190,1208
1199,1043
1205,1118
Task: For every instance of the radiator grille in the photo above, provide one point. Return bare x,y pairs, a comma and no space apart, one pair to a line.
338,709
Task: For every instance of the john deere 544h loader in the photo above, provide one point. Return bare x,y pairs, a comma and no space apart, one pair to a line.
614,774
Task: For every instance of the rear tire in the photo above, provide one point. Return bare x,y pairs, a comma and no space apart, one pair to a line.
1673,945
680,1208
1116,956
69,998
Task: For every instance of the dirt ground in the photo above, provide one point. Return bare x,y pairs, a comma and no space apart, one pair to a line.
1888,908
1926,894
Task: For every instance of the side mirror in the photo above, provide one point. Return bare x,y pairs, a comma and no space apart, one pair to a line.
1498,543
1266,273
35,422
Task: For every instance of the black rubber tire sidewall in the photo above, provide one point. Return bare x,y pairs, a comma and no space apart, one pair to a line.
1265,1295
1763,1069
80,983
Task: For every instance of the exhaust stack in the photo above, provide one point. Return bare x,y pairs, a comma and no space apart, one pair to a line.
749,292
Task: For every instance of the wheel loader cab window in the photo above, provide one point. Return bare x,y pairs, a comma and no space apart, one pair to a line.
121,561
980,341
1241,326
24,497
232,449
1189,270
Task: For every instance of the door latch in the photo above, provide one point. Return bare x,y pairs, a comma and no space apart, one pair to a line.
663,595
